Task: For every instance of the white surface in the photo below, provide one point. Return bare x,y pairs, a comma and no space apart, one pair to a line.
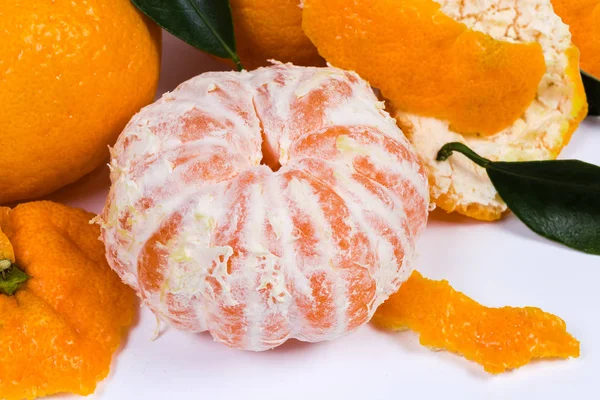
497,264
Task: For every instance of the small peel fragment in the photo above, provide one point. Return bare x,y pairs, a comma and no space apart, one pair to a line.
499,339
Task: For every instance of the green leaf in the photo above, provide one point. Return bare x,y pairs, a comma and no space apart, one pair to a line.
592,89
11,280
558,199
205,24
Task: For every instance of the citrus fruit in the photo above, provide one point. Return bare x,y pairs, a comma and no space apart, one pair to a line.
59,330
583,18
271,30
266,205
71,76
462,72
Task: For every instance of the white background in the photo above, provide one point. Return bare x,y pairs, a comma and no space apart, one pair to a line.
496,264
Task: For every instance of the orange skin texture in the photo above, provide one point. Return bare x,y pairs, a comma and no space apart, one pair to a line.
448,202
6,250
59,331
71,76
499,339
271,29
433,66
583,18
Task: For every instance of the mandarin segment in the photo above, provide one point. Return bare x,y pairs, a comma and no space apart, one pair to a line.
433,65
499,339
59,331
583,17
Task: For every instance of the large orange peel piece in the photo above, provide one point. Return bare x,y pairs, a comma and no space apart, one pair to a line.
426,62
499,339
583,18
58,332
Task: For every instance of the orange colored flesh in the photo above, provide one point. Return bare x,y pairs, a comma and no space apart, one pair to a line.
432,66
583,18
59,331
499,339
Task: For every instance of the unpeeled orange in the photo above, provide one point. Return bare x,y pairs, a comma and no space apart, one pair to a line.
71,76
60,328
583,17
271,29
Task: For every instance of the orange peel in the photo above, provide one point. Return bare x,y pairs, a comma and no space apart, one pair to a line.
58,332
540,133
427,63
583,17
499,339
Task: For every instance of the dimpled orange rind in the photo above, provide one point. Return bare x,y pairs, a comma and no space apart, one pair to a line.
432,65
59,331
499,339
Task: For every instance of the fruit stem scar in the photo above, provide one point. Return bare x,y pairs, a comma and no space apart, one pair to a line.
11,278
5,264
447,150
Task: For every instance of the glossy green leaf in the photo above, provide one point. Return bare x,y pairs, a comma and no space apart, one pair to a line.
592,90
205,24
558,199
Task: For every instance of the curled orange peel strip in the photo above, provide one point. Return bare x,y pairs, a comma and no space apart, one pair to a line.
499,339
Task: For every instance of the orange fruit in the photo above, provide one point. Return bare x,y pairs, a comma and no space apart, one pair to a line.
61,327
462,71
499,339
71,76
583,18
261,206
271,30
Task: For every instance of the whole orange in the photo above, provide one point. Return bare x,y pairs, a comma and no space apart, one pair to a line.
271,29
72,73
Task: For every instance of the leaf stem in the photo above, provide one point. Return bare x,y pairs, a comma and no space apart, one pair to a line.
447,150
11,280
232,54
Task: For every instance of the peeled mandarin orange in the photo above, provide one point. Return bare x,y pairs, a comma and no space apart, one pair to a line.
71,76
427,62
540,132
271,30
583,18
266,205
499,339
